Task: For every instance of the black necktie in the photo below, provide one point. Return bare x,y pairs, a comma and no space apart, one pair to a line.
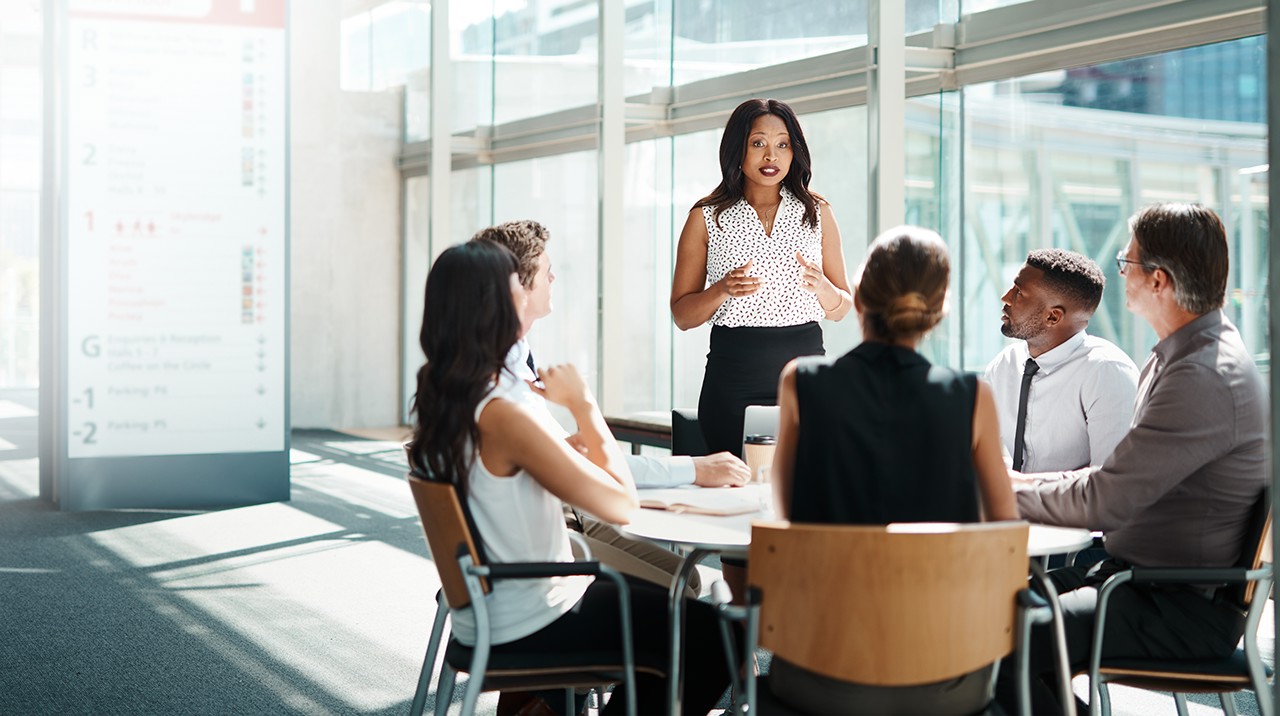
530,363
1020,432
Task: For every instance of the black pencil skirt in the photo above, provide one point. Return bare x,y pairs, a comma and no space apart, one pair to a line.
742,369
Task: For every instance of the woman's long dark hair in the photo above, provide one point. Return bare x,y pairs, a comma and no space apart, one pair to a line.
469,323
733,148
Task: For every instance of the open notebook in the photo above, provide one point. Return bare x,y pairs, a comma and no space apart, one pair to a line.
701,501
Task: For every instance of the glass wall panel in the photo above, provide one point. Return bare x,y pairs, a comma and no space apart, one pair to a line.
932,200
21,97
472,194
545,58
647,51
471,41
838,145
382,47
648,251
1064,159
695,172
417,82
721,37
414,264
386,47
560,192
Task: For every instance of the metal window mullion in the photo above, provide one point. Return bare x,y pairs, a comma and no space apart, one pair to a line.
886,116
1273,263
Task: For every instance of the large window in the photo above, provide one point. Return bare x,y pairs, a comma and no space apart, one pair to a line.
1051,146
1063,159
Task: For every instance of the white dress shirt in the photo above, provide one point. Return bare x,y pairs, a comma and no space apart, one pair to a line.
647,471
1080,404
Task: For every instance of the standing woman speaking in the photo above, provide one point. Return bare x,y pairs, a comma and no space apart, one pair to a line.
760,259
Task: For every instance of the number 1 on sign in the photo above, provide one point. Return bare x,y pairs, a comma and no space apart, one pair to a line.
88,219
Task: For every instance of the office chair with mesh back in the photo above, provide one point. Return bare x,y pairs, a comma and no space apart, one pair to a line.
465,582
1251,580
686,433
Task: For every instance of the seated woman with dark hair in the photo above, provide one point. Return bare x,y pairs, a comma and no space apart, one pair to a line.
880,435
513,472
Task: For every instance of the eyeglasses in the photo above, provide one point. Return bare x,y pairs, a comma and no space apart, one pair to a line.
1121,261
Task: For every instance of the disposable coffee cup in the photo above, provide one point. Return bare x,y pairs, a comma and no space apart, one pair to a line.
757,451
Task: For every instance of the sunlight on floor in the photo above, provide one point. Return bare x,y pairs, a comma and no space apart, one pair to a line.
337,598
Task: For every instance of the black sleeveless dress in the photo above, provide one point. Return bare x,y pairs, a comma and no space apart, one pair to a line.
884,437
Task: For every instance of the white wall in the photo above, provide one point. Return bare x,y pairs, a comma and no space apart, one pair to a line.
345,235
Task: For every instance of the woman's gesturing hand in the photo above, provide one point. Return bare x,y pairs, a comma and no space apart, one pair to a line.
812,279
738,283
563,385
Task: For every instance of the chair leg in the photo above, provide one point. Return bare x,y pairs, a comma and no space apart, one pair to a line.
1104,699
429,660
424,685
444,693
569,702
1228,703
1180,701
472,694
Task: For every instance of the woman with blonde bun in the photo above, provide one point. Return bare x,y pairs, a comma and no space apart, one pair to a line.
879,435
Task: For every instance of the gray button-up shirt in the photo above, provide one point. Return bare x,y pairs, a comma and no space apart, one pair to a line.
1178,488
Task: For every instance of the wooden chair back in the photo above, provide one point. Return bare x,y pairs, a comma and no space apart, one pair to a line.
1257,543
446,529
895,605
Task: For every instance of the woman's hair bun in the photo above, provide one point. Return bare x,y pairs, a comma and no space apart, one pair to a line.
910,313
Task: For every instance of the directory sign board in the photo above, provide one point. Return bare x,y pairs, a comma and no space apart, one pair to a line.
175,255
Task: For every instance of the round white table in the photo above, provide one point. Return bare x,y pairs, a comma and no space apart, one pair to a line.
700,536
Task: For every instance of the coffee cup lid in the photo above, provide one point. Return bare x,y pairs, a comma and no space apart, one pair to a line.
761,440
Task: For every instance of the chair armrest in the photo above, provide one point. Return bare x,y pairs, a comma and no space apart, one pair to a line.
581,540
1193,575
537,570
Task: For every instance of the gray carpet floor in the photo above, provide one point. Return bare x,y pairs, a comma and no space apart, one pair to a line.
320,605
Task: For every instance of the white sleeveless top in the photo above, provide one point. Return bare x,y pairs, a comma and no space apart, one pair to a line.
518,521
740,237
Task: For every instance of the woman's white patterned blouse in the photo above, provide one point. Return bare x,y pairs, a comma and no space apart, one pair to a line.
740,237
